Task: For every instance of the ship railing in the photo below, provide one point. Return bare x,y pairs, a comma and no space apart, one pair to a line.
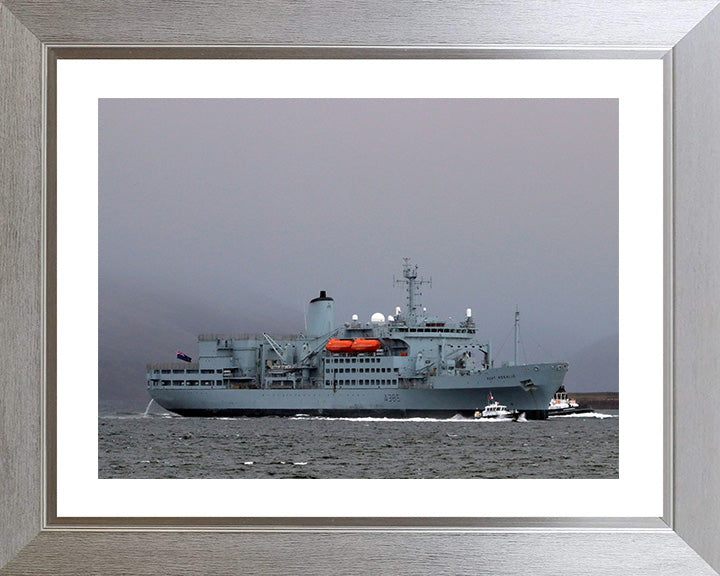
248,336
445,331
173,366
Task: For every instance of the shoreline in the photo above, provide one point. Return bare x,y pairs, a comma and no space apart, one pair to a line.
598,400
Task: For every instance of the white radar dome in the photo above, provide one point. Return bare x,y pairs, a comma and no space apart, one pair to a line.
355,317
377,318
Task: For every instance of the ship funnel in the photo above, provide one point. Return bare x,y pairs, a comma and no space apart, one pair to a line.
321,315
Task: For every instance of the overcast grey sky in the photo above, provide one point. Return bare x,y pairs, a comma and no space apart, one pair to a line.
502,202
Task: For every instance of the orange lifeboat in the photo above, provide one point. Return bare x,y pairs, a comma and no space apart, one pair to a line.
337,346
365,345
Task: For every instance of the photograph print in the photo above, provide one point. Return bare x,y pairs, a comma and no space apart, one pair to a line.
358,288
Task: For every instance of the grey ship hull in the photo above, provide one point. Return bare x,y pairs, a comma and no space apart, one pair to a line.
523,388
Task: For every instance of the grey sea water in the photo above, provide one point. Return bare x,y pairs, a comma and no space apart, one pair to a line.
166,446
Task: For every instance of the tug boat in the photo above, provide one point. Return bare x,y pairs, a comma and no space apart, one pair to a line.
562,405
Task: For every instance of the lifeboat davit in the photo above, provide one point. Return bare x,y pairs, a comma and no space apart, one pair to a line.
337,345
365,345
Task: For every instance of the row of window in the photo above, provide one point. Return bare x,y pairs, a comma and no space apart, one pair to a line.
187,382
440,330
203,371
354,382
353,370
352,359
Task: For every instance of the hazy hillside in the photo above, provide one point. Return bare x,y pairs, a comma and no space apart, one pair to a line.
137,327
594,368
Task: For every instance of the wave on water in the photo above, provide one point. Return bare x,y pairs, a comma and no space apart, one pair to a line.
135,416
456,418
596,415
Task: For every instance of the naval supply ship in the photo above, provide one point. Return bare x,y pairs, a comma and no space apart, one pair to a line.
406,365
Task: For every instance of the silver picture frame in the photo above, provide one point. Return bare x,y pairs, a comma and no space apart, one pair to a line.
685,34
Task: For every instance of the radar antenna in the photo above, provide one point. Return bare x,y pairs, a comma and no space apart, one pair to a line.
410,278
517,334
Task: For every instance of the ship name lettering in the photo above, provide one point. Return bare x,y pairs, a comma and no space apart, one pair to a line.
392,397
501,377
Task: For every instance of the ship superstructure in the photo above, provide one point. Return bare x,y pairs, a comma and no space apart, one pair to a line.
408,364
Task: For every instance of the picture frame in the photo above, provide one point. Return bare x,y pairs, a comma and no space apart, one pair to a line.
685,35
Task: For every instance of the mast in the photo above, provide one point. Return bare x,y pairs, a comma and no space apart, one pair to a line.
410,277
517,333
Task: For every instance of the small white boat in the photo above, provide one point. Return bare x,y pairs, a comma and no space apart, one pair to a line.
495,410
